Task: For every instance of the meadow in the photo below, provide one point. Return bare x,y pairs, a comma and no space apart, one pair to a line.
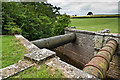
95,24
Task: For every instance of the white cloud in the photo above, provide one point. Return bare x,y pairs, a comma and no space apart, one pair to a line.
81,8
83,0
105,7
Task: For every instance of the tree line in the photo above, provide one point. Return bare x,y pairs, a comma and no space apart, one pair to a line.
34,20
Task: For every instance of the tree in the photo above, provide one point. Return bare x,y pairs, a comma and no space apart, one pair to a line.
89,13
33,20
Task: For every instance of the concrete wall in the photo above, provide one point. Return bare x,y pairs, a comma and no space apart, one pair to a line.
86,46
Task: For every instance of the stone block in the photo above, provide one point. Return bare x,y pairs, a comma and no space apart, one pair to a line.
98,43
15,68
68,70
40,55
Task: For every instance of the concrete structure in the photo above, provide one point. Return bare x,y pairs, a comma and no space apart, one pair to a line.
81,46
99,64
38,56
87,44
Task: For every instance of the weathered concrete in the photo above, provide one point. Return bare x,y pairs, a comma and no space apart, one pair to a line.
87,44
68,70
15,68
82,50
114,70
104,31
99,64
36,54
54,42
31,47
40,55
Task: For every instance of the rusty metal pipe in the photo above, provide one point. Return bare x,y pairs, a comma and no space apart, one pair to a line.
99,64
54,42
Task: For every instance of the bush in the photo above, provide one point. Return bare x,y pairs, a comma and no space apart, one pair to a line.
33,20
12,28
61,23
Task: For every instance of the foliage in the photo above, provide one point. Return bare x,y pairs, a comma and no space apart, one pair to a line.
33,20
60,24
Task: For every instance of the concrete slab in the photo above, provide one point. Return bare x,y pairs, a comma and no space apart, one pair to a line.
40,55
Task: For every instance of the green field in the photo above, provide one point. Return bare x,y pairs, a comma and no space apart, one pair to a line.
12,50
95,24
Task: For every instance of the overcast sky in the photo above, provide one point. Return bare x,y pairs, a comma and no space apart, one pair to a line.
82,7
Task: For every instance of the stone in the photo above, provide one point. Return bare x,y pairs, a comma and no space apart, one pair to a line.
104,31
68,70
98,42
73,27
40,55
31,47
15,68
87,44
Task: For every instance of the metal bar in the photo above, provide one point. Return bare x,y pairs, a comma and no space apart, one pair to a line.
54,42
99,64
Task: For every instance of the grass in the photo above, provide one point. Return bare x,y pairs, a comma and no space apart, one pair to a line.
96,24
40,71
12,50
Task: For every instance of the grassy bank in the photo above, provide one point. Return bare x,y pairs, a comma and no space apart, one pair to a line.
40,71
96,24
12,50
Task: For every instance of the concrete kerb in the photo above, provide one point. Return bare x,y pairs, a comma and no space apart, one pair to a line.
93,33
39,55
103,39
